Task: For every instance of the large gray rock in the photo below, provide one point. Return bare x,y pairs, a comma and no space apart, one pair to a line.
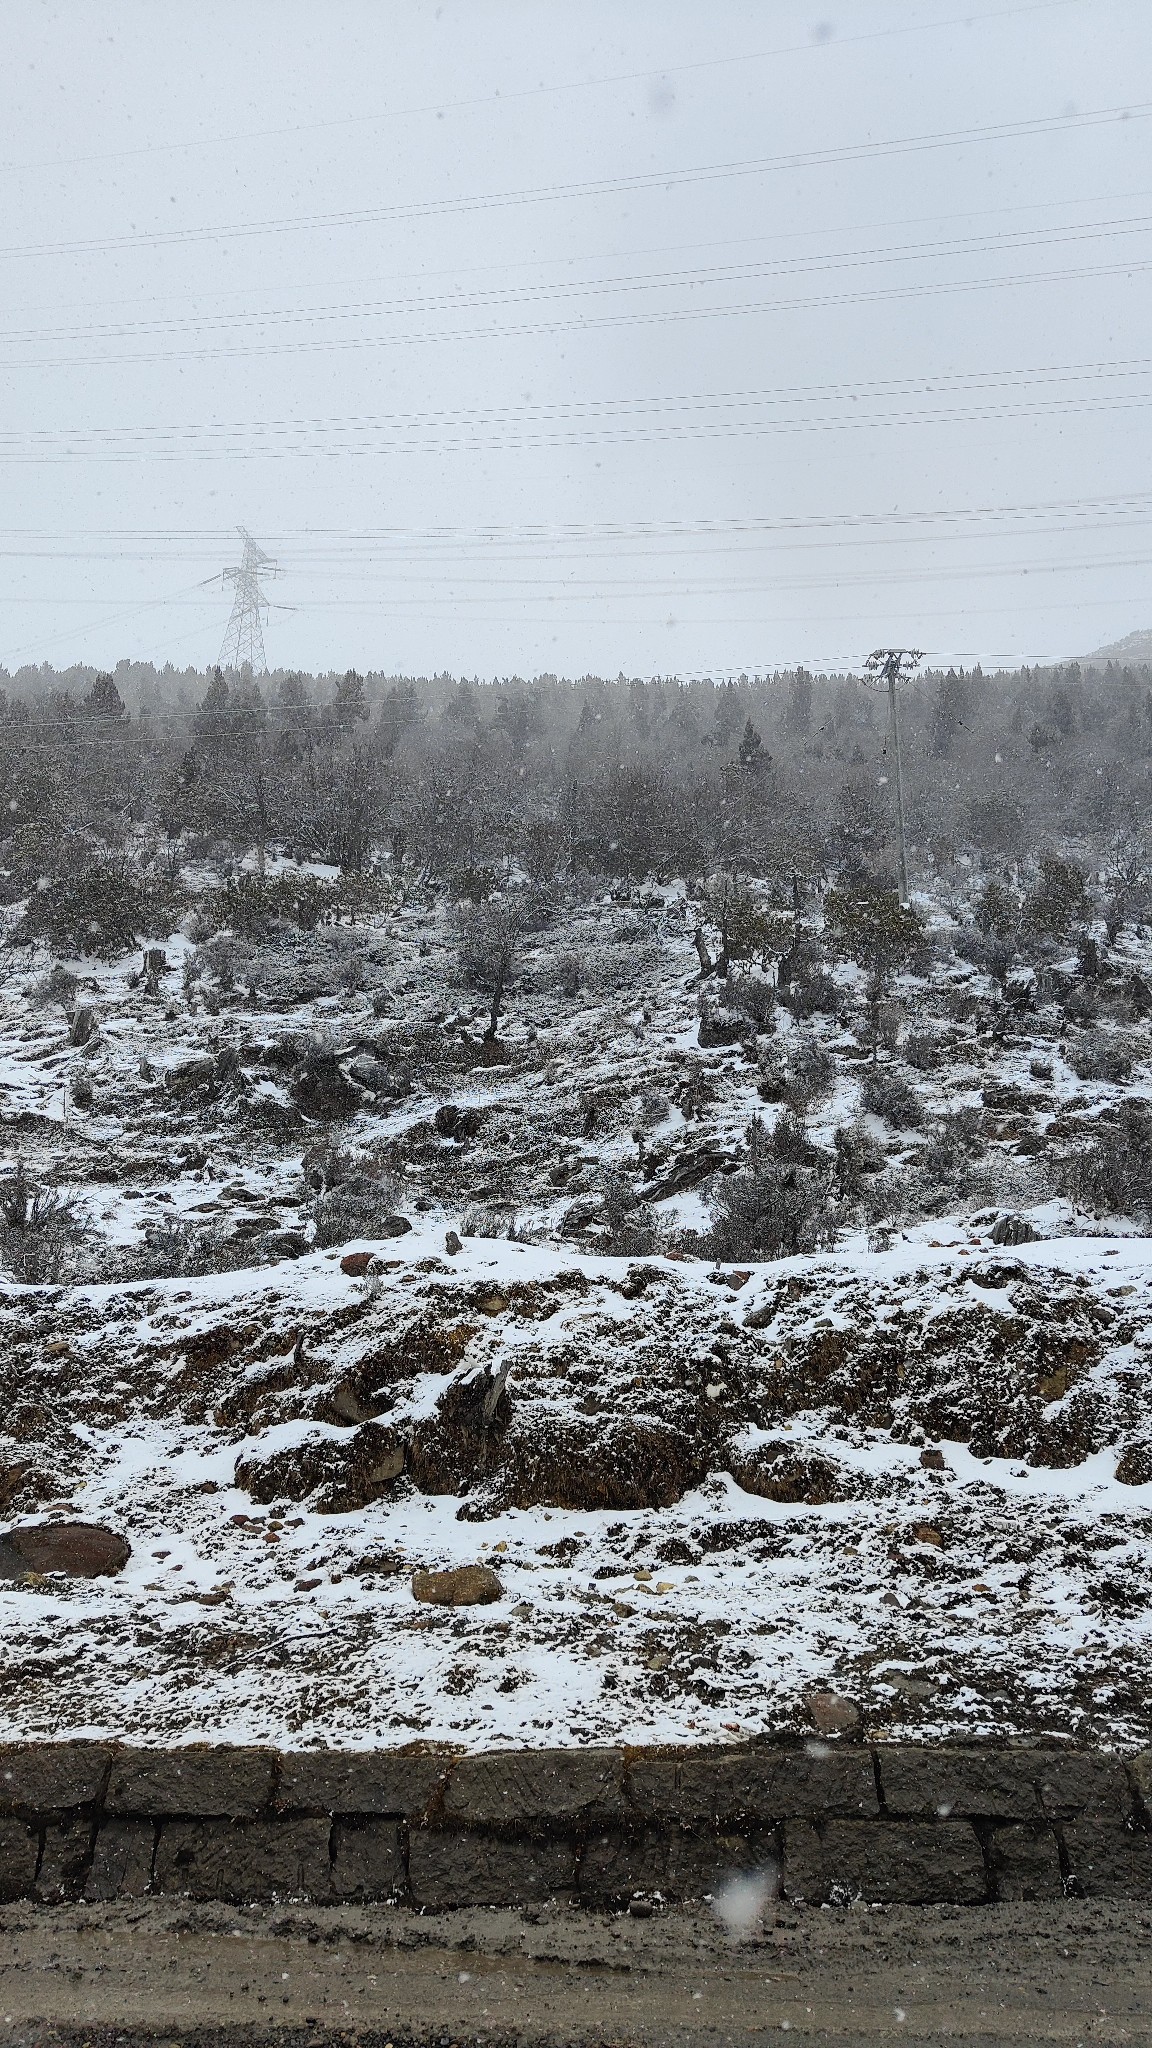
1074,1785
936,1784
50,1777
1026,1864
63,1858
368,1862
81,1550
676,1864
121,1860
371,1783
1107,1860
19,1854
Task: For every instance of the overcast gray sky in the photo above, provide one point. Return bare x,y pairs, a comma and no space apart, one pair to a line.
671,337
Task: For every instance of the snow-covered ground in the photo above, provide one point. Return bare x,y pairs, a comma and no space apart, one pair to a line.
711,1492
978,1592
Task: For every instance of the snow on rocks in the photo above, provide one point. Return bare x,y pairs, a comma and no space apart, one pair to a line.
917,1481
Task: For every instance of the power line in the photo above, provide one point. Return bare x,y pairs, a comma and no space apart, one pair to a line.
551,534
594,188
672,317
1014,241
293,438
509,98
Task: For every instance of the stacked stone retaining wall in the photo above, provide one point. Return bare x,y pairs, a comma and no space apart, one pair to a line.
822,1821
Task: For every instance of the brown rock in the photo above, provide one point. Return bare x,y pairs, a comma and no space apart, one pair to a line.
356,1263
81,1549
832,1713
469,1585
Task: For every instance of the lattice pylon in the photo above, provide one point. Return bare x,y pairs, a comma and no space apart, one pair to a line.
244,639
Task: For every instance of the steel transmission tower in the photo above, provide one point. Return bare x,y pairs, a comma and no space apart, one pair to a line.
887,665
244,640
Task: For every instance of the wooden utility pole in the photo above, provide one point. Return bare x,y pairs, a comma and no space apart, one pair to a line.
889,665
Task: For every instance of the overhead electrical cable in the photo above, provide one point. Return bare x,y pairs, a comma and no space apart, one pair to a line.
380,117
1014,241
293,439
595,188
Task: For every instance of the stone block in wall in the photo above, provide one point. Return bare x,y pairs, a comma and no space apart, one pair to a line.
64,1857
121,1866
895,1862
49,1777
1026,1864
542,1788
939,1784
446,1868
376,1782
760,1785
19,1855
677,1864
259,1859
1074,1786
1106,1860
209,1780
368,1862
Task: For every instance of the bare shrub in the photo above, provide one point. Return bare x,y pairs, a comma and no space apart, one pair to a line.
772,1211
360,1205
811,1073
568,974
888,1095
40,1228
754,997
1111,1172
925,1050
1100,1056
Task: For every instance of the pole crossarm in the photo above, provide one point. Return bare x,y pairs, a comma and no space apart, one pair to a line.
888,666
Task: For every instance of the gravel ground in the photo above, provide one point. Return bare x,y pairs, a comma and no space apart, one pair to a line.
189,1976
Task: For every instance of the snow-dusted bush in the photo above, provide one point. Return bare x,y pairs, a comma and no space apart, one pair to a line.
888,1095
772,1211
362,1205
1100,1056
41,1228
1111,1172
811,1073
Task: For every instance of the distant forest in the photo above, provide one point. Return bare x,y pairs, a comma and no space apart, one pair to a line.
458,783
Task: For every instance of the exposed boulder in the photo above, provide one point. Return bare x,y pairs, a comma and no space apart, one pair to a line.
82,1550
461,1440
321,1090
336,1472
468,1585
453,1120
83,1025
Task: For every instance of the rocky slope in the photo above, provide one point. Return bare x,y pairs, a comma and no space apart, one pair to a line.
901,1489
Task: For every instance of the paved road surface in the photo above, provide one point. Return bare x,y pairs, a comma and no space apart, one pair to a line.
210,1976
